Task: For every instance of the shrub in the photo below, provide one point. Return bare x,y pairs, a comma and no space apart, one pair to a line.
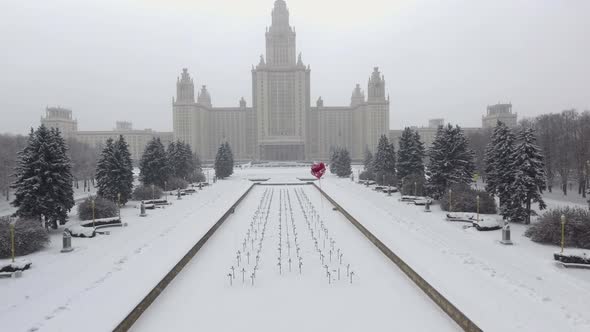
407,187
197,176
366,175
548,228
142,193
176,183
464,199
103,208
29,236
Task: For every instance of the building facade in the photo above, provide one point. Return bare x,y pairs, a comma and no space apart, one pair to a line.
499,112
61,118
281,124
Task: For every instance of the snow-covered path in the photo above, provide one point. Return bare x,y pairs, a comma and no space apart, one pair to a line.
282,298
501,288
94,287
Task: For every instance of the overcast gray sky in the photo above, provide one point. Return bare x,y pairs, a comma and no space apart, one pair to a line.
114,60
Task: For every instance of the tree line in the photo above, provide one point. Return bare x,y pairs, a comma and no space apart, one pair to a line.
43,173
513,164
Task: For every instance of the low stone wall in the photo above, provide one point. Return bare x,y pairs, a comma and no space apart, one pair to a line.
459,317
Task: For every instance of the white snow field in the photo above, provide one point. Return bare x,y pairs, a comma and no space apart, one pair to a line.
235,282
500,288
93,288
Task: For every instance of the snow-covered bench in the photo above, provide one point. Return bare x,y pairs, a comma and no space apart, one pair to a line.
484,223
422,201
17,265
156,202
407,198
573,258
388,190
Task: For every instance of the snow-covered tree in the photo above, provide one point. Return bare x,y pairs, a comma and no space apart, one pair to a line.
410,156
368,165
126,186
114,171
181,160
451,161
529,178
43,185
384,161
344,167
153,165
224,161
340,162
498,159
333,164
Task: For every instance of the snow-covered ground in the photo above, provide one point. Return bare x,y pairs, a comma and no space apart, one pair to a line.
501,288
94,287
283,298
6,208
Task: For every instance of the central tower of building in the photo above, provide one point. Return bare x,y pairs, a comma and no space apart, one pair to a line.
281,93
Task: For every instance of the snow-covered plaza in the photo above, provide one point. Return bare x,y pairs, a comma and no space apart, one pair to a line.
285,260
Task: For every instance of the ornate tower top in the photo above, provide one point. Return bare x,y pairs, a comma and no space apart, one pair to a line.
320,102
280,38
204,98
242,103
185,88
358,96
376,86
280,16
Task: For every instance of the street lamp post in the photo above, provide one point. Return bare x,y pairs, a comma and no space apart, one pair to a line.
563,220
119,204
11,223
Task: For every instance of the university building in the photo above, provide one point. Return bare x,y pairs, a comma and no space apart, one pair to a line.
61,118
281,124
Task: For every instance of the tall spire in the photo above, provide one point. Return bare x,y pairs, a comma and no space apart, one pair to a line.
280,16
204,97
280,38
185,89
376,86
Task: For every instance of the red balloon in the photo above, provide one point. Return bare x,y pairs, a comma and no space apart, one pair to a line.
318,170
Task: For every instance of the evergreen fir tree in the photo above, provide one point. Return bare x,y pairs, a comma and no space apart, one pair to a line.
368,163
105,167
43,185
333,159
384,161
498,159
187,161
114,171
403,153
230,154
343,163
410,160
451,161
153,165
126,169
174,159
529,178
224,161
